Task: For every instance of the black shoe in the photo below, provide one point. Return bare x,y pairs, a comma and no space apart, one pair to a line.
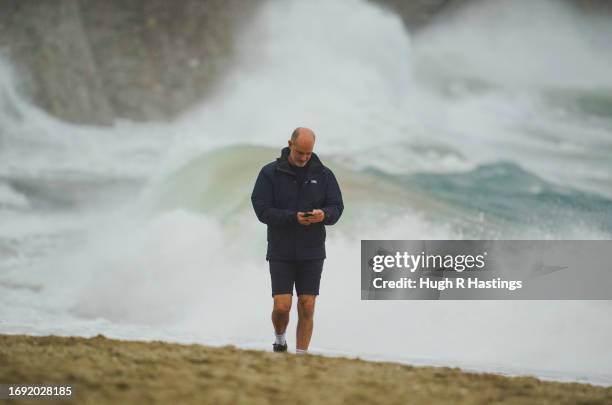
279,348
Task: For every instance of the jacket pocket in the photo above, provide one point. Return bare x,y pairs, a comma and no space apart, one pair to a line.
314,235
314,194
274,236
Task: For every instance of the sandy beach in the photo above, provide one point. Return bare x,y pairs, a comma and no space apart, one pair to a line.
103,370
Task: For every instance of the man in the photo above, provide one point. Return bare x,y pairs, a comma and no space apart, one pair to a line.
296,196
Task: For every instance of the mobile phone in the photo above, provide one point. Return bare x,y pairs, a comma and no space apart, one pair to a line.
308,214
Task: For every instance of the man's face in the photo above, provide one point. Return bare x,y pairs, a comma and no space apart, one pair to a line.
300,151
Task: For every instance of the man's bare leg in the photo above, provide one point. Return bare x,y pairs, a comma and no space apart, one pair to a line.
306,304
280,312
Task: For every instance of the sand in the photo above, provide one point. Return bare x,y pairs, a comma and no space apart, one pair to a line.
103,370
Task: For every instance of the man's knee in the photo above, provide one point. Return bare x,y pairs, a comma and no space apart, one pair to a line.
306,305
282,303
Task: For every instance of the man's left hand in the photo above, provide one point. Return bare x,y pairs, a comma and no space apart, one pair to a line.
317,216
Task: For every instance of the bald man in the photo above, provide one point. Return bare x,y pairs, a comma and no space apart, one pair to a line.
296,196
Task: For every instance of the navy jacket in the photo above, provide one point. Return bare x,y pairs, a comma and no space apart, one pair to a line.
277,198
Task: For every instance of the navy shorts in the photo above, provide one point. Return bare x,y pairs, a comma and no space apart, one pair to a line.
306,274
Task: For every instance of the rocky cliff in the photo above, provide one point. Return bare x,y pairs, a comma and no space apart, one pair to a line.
95,61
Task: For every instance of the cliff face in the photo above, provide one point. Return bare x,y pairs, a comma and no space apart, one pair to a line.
418,13
95,61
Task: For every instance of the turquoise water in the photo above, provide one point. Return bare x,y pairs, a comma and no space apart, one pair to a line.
506,191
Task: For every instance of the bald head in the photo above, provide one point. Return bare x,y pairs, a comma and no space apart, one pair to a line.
301,145
301,131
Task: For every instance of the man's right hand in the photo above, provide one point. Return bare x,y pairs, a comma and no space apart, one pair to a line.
302,220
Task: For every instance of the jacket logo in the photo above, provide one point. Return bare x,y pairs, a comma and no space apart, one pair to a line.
313,181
